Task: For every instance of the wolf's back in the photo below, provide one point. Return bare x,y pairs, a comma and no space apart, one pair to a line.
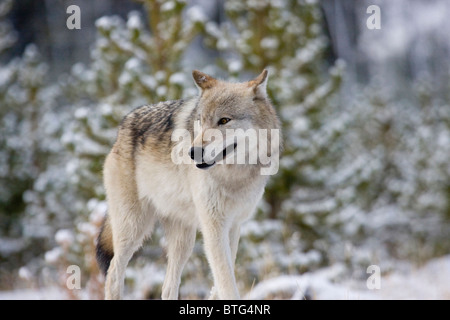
150,125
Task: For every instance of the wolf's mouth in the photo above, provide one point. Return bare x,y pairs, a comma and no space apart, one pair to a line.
205,165
225,151
219,157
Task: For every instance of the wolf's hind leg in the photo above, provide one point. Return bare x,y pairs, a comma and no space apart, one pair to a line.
180,243
129,230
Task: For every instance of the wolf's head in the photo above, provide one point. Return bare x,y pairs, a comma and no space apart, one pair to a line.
236,122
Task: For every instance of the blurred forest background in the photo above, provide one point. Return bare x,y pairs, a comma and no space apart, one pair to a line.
365,176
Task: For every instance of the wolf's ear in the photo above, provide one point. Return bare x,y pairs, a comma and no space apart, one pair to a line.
202,80
259,85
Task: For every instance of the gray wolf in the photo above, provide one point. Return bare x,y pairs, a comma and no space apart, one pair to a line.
144,182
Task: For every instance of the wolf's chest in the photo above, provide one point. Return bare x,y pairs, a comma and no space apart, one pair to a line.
168,190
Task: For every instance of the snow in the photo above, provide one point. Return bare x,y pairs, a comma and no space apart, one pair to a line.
428,282
168,6
177,78
269,43
134,20
81,113
33,294
25,274
212,29
161,91
234,66
64,237
103,23
149,81
133,64
223,44
196,14
53,255
125,78
260,229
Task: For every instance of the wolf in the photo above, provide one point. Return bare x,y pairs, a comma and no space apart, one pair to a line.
203,192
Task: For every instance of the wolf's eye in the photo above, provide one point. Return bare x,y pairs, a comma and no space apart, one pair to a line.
223,121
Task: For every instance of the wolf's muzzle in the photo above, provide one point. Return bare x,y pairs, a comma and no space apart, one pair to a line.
196,154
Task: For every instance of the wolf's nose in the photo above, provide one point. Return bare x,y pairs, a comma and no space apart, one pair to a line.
196,154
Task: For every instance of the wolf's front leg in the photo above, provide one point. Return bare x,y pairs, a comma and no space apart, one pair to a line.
218,252
180,243
234,235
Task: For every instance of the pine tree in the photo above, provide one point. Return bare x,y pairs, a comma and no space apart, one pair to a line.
26,103
393,179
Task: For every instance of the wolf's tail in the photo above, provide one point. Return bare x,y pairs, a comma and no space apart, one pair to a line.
104,250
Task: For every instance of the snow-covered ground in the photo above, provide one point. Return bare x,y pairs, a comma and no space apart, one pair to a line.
33,294
432,281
